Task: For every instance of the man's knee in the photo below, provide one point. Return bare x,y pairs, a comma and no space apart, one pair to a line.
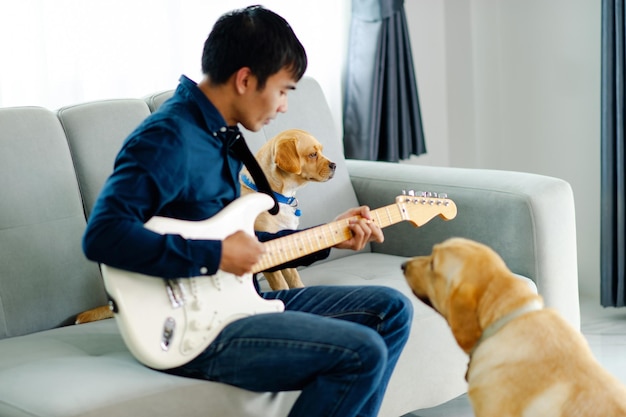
372,352
399,306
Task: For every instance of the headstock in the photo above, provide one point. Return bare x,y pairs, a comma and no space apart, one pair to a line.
420,207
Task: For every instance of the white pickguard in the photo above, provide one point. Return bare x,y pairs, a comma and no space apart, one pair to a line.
162,335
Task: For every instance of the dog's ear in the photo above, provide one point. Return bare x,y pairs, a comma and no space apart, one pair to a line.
462,315
461,303
286,156
445,262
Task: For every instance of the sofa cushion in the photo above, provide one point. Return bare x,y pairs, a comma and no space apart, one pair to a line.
95,132
44,281
87,371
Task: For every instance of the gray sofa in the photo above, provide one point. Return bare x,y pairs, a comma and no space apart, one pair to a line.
52,165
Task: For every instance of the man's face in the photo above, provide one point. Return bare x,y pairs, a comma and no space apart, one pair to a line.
259,107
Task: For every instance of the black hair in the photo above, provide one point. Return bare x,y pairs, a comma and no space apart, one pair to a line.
256,38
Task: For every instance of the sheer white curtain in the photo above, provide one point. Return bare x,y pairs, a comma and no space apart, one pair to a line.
59,52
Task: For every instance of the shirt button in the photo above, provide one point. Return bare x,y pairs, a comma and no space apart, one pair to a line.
204,270
223,129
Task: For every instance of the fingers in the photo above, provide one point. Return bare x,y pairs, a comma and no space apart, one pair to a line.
376,234
371,230
362,211
240,252
363,228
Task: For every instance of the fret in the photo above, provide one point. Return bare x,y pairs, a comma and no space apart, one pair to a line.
375,214
388,213
312,243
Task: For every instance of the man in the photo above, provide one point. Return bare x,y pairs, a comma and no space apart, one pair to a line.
338,345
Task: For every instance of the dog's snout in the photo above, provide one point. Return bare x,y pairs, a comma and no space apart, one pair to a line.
331,169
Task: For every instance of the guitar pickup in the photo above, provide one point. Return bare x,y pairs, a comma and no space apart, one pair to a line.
176,292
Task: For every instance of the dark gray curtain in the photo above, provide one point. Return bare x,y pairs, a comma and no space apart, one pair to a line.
613,216
382,118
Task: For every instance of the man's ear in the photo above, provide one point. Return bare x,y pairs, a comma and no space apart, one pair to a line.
243,79
286,156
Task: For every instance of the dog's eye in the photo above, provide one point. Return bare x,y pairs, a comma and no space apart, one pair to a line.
313,155
432,264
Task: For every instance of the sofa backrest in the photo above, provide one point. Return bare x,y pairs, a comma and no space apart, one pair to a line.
309,111
44,279
95,132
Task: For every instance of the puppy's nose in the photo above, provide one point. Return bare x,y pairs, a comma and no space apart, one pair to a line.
332,166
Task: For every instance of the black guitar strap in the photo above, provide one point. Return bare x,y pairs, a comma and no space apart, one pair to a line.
240,148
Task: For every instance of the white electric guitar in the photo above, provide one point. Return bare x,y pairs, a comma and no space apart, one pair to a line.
167,323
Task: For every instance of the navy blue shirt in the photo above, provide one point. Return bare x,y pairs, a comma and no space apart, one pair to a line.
178,163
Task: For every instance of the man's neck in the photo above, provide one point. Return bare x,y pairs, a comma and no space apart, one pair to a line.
220,96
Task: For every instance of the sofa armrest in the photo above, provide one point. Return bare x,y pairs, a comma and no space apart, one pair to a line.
528,219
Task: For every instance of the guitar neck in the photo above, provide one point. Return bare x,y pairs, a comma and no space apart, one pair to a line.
294,246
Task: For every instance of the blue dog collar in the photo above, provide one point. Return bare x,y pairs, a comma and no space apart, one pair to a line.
290,201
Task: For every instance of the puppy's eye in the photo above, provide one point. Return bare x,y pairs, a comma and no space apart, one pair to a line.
432,264
313,155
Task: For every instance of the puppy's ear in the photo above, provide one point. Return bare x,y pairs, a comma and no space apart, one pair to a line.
286,156
462,315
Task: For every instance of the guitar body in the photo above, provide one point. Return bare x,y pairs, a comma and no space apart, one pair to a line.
167,323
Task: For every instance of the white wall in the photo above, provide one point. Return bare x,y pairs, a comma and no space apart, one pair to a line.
508,84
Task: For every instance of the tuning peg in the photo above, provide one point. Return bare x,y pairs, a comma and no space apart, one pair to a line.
424,194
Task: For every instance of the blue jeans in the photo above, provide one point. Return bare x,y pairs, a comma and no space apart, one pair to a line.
338,345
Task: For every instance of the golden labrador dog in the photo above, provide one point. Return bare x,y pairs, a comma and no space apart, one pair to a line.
290,160
525,360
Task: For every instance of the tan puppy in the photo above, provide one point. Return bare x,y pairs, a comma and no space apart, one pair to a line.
290,160
95,314
525,360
